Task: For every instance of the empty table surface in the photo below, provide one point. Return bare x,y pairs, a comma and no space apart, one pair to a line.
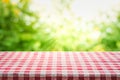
59,65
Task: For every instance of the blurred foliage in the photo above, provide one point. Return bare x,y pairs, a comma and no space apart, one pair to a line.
22,30
110,34
16,25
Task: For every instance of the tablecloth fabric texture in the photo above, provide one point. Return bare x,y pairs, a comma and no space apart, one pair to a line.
59,65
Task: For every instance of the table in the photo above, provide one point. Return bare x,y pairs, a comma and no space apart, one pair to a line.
59,65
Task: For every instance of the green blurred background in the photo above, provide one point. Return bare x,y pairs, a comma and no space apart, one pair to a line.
24,28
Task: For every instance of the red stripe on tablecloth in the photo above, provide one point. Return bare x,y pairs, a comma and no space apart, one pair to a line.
118,78
68,64
42,56
59,69
15,60
29,68
49,67
78,62
113,77
81,77
37,76
4,77
92,77
103,77
69,68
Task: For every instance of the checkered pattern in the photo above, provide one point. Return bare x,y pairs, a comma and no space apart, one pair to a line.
59,65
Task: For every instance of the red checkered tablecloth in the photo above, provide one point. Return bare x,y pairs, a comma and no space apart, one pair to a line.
59,65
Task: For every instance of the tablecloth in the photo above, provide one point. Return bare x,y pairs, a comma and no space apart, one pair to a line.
59,65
